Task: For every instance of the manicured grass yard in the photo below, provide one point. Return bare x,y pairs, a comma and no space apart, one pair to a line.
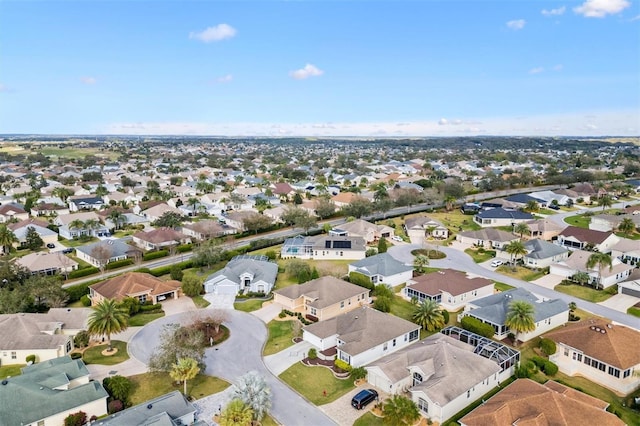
151,385
634,311
249,305
480,257
11,370
502,286
312,381
584,292
454,220
402,308
141,319
521,272
200,302
93,355
280,336
369,420
581,221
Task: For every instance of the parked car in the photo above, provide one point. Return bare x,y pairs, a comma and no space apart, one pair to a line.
68,250
495,263
397,238
51,245
363,398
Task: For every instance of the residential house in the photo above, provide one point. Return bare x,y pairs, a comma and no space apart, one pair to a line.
528,402
631,286
344,198
610,222
383,268
541,254
69,233
47,263
236,219
450,288
48,392
548,197
419,227
12,212
207,229
85,203
370,232
243,274
159,239
282,189
601,352
323,298
170,409
544,229
499,203
605,277
323,247
103,252
442,374
47,336
501,217
571,195
48,209
142,286
548,314
523,199
362,335
121,198
488,238
21,229
154,213
573,238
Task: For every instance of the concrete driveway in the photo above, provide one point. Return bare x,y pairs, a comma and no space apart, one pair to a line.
620,302
548,281
268,311
239,354
176,306
341,410
284,359
220,301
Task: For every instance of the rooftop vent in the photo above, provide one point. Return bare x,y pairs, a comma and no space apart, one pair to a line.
150,406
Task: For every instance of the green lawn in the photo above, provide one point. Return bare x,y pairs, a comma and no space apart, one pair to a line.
634,311
634,236
200,302
141,319
280,336
502,286
249,305
480,257
94,355
151,385
268,421
78,242
402,308
520,272
369,420
581,221
311,382
454,220
583,292
10,370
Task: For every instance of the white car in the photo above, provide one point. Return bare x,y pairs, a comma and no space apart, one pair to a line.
397,238
496,263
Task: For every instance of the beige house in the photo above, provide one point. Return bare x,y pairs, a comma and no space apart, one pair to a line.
47,263
370,232
527,402
322,298
158,239
139,285
47,336
10,212
419,227
604,353
206,229
544,229
154,213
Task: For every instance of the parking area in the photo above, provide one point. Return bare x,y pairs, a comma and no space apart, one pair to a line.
620,302
341,410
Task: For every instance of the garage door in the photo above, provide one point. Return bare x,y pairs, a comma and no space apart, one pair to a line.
630,292
226,289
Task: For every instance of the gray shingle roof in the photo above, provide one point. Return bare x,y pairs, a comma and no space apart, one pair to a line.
540,249
117,248
158,411
381,264
489,234
325,291
259,266
500,213
494,308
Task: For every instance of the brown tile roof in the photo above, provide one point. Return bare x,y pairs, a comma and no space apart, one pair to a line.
344,197
449,280
11,208
616,346
526,402
323,291
27,222
160,235
206,227
585,235
134,283
282,188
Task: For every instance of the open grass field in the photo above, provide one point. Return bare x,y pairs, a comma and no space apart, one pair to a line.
311,382
11,370
93,355
151,385
141,319
72,152
454,220
581,221
480,256
280,336
520,272
583,292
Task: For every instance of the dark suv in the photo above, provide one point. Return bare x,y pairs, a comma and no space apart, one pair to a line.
363,398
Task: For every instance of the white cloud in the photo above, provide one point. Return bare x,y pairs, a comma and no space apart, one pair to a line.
309,70
217,33
443,122
601,8
554,12
536,70
635,18
225,79
516,24
88,80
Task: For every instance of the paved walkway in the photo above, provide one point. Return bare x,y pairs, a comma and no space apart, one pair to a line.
549,281
341,410
620,302
212,405
220,301
268,311
277,363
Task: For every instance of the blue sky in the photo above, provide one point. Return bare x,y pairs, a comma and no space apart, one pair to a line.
401,68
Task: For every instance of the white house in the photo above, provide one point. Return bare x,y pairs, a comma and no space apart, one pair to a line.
573,238
362,335
501,217
383,268
419,227
243,274
541,254
605,277
327,247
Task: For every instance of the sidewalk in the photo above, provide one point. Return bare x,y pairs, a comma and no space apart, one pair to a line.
277,363
130,367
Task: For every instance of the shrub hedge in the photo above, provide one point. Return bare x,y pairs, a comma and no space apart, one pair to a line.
476,326
119,264
155,255
83,272
548,346
342,365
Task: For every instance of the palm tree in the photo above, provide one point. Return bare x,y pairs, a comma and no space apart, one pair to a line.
428,315
521,228
7,238
107,318
193,203
532,206
76,224
581,277
520,318
627,226
253,390
600,260
236,413
183,370
420,262
449,201
400,410
91,225
515,248
605,201
62,192
117,218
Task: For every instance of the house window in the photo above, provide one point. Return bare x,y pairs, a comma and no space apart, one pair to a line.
345,357
342,304
414,335
566,351
384,346
614,372
577,356
626,373
469,393
313,311
68,346
394,342
142,298
417,379
14,355
423,405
